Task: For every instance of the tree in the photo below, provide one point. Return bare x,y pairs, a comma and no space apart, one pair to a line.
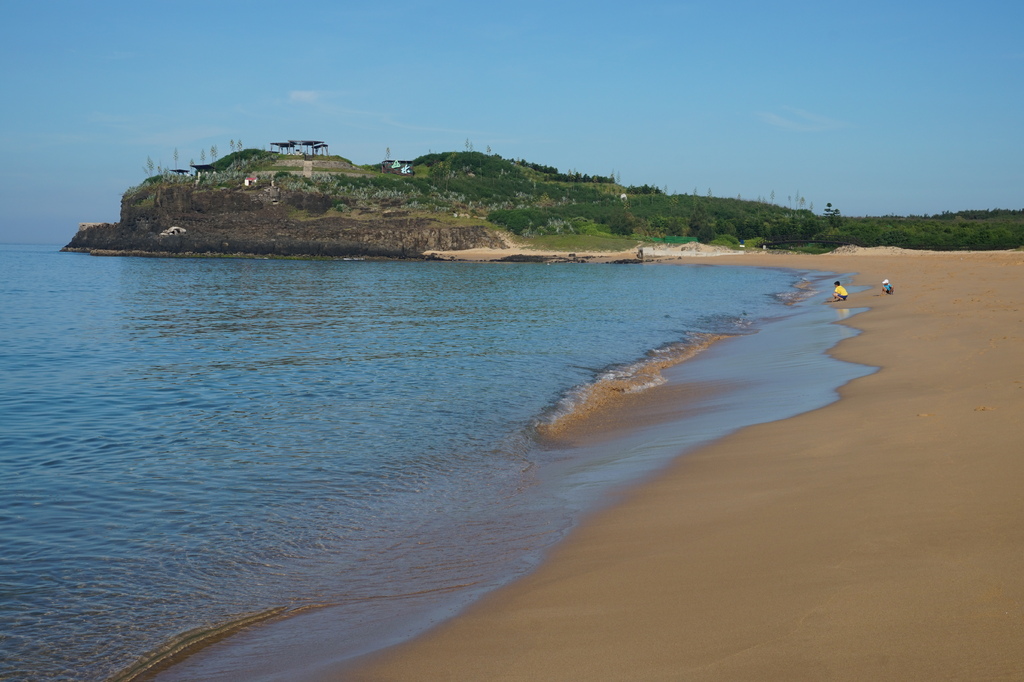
443,170
202,156
175,157
387,154
231,144
833,216
213,152
700,222
149,166
623,222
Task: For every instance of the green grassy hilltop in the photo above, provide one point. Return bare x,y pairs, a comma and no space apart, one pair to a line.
534,201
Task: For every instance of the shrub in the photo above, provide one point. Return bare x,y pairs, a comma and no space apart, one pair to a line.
518,220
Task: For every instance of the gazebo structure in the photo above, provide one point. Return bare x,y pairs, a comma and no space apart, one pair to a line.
304,147
202,167
318,147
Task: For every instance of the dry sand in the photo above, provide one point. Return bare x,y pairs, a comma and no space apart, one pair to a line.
665,253
878,538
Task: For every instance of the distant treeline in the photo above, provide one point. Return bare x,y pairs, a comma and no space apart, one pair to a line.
987,214
552,174
1002,231
549,201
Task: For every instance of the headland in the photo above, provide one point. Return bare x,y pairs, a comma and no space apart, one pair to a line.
287,204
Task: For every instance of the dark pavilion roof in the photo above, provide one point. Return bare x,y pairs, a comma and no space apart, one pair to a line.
307,146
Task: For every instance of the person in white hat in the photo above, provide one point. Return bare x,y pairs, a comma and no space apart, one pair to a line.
886,287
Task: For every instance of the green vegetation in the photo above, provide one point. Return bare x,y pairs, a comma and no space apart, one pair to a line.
996,229
245,158
541,203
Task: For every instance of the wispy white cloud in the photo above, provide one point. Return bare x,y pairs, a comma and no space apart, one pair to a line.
103,118
305,96
157,133
390,121
330,102
118,56
180,137
801,121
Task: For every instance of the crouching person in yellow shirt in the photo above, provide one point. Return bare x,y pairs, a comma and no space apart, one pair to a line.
839,294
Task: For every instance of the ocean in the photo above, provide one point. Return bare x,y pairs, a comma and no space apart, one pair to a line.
188,442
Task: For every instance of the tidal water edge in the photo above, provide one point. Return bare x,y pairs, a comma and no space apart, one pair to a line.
184,441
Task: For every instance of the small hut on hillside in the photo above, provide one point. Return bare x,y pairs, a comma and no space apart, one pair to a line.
396,167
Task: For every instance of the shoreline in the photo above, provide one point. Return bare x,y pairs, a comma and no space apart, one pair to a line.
576,461
604,398
875,537
564,430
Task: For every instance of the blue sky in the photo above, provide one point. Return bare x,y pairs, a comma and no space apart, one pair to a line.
894,107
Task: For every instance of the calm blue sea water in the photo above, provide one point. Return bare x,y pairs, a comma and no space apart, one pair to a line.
185,441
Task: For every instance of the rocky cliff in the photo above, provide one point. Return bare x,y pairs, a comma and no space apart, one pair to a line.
180,219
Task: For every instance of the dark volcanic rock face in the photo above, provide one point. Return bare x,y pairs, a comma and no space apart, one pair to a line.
267,221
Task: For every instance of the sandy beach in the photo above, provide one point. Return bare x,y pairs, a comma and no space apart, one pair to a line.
878,538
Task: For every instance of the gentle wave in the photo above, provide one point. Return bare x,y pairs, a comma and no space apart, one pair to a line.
188,643
615,385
